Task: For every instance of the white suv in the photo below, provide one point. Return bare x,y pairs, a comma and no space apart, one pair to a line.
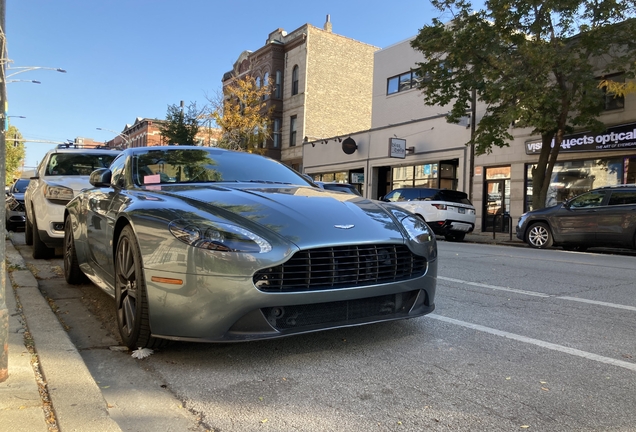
449,213
61,175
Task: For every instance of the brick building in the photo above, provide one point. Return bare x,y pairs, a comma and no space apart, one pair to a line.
322,86
145,132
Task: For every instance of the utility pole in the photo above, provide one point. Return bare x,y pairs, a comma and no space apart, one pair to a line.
4,312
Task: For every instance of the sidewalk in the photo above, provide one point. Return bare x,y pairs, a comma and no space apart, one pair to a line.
499,238
76,399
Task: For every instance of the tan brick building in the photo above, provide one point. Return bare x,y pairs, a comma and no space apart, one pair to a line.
322,86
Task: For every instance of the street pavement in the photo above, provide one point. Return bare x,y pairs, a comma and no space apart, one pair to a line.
49,386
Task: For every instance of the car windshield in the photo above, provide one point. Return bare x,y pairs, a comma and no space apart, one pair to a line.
78,164
155,166
20,186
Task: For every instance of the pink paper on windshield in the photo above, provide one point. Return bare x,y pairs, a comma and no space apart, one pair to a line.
150,179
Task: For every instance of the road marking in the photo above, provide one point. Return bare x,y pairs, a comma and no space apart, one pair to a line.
539,343
495,287
595,302
538,294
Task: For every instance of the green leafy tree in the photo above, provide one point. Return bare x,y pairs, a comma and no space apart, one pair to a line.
15,153
534,64
240,111
181,126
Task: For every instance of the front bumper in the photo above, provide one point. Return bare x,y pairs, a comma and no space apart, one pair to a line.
214,309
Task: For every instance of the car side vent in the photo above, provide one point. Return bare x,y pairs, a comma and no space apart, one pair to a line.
341,267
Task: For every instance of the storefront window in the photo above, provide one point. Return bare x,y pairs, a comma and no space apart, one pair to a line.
572,178
339,177
415,175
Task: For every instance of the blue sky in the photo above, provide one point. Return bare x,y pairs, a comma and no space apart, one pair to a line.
132,58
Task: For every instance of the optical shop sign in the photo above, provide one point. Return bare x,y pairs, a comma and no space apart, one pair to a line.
614,138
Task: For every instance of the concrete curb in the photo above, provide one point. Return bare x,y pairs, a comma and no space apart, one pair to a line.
76,398
20,400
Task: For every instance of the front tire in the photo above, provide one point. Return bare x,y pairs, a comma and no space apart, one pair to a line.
28,230
40,250
72,272
539,236
133,317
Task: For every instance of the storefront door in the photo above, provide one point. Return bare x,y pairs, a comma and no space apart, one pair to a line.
496,202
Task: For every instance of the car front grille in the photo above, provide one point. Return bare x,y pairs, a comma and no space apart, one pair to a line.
340,267
305,317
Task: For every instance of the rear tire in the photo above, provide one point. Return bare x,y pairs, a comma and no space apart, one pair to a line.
72,272
28,230
133,315
40,250
539,236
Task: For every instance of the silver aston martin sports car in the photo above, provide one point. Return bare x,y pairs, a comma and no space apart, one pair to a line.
205,244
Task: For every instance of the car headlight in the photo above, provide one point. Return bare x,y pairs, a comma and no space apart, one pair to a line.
218,236
58,194
522,219
417,229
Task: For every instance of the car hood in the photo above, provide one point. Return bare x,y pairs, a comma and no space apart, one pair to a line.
545,211
303,215
77,183
18,196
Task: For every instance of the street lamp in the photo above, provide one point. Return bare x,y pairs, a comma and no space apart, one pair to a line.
23,69
124,137
18,80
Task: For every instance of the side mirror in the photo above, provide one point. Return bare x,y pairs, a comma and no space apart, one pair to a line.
101,177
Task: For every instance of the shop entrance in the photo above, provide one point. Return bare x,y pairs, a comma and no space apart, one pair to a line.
496,208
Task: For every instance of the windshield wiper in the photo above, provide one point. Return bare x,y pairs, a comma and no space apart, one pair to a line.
266,181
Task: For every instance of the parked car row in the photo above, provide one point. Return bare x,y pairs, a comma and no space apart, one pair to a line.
206,244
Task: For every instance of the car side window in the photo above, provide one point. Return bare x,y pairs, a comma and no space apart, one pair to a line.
117,170
589,199
622,198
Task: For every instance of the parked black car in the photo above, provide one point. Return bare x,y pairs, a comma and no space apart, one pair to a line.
14,205
603,217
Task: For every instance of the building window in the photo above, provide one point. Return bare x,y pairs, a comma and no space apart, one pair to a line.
292,131
278,85
402,82
572,178
276,133
258,82
610,100
266,82
295,80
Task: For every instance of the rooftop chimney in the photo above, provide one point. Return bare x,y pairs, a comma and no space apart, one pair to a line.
327,26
